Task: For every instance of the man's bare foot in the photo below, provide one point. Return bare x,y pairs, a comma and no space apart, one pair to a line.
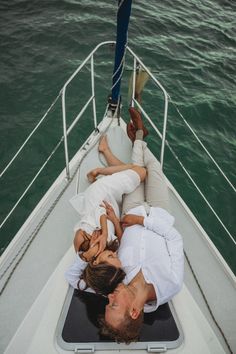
92,175
137,120
131,131
103,144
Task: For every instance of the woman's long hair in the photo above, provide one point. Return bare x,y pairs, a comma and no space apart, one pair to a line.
103,278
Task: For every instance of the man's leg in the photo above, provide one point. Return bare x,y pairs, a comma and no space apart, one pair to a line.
135,198
156,190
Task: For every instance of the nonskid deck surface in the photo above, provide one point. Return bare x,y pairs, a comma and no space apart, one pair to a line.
33,272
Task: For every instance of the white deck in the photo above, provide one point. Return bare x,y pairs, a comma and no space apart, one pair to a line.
41,272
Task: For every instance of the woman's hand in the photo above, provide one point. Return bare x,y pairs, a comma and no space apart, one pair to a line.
131,219
80,237
110,212
98,241
92,251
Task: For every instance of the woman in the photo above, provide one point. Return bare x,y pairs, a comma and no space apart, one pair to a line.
93,204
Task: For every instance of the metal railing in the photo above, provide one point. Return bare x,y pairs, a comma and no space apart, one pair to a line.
92,100
164,142
163,135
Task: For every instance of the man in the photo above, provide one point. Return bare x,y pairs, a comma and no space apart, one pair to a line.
151,249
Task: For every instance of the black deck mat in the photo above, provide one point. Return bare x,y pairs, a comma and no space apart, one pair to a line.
81,325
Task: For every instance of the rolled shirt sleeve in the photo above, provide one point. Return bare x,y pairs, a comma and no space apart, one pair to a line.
74,272
161,222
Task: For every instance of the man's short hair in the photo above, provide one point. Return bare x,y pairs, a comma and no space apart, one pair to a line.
127,332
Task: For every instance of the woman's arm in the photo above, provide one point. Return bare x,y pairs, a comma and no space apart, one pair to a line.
111,215
101,240
118,229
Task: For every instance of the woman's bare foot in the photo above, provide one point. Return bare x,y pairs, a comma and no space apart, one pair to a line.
92,175
103,144
137,120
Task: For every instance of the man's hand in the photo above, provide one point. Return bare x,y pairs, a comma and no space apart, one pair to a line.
131,219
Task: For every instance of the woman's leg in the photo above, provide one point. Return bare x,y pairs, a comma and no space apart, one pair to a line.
115,165
106,171
104,148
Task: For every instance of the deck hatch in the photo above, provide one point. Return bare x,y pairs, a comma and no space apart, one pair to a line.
77,328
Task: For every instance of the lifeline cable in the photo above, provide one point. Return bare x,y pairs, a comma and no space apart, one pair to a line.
34,233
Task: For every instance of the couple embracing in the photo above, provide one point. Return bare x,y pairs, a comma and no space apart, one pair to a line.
136,260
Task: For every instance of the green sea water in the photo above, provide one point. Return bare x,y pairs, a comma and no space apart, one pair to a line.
191,48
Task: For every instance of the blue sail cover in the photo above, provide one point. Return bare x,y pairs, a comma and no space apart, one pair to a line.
123,15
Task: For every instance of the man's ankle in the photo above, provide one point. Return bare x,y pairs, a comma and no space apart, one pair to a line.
139,134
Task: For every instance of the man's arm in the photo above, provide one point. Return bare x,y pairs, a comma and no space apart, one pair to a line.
132,219
161,223
75,271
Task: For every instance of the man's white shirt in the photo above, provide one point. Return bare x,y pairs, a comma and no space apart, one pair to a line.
156,248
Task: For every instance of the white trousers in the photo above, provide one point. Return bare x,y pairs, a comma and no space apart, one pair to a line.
153,192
